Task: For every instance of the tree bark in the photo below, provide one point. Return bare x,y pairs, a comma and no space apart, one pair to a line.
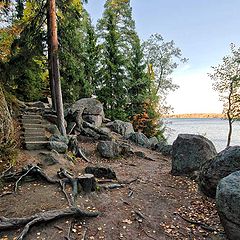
55,66
230,119
50,68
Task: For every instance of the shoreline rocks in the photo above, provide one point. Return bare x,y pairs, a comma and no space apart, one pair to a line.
223,164
228,204
189,152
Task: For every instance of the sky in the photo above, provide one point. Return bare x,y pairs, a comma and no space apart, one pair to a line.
202,29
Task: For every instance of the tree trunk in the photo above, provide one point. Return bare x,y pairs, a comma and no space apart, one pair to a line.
50,69
229,130
55,66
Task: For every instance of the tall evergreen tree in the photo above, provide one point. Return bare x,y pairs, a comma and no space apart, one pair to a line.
116,30
112,89
78,53
139,87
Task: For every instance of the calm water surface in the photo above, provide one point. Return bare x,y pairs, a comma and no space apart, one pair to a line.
214,129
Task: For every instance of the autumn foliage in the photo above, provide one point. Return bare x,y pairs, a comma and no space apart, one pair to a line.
148,122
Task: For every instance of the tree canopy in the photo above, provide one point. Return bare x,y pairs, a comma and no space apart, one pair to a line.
131,78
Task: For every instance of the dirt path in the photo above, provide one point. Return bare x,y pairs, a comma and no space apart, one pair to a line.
153,206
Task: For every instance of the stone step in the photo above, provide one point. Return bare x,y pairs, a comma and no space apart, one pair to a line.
31,121
34,131
36,145
36,126
34,138
31,116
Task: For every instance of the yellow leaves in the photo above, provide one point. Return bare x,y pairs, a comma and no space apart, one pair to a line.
29,11
151,71
128,221
77,5
7,36
117,3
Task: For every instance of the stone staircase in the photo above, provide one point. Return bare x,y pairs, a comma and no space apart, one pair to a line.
33,127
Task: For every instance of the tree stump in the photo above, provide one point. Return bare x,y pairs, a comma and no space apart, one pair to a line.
87,182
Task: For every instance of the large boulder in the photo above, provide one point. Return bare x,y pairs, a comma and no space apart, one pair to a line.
60,147
223,164
228,204
109,149
58,143
101,172
123,128
189,152
153,141
164,148
140,139
90,109
6,123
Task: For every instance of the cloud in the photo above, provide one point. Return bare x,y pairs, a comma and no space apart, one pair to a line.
195,94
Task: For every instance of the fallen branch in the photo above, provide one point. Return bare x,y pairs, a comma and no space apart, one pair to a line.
25,174
84,233
143,230
34,170
81,154
42,217
68,237
113,186
198,223
5,171
5,193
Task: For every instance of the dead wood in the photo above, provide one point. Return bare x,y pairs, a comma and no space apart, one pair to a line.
81,154
68,237
5,193
113,186
42,217
198,223
35,171
5,171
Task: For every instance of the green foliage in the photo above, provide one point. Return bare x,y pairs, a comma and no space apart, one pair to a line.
112,84
8,152
139,86
78,53
162,59
226,81
24,71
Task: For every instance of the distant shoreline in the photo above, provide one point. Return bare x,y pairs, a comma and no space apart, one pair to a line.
195,115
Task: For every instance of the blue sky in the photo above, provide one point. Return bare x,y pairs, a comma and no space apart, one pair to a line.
202,29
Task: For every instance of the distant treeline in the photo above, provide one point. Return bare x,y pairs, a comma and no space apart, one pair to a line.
196,115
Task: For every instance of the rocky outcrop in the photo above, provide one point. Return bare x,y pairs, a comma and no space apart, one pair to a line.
223,164
164,149
60,147
123,128
58,143
189,152
101,172
153,141
48,159
37,104
89,110
109,149
228,204
140,139
6,123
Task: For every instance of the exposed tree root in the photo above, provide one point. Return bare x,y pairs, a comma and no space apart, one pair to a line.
198,223
86,182
28,222
35,171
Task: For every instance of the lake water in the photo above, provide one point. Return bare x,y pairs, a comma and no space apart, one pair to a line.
214,129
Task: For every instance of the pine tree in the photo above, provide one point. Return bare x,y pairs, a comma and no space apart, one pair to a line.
112,88
116,30
140,84
78,53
